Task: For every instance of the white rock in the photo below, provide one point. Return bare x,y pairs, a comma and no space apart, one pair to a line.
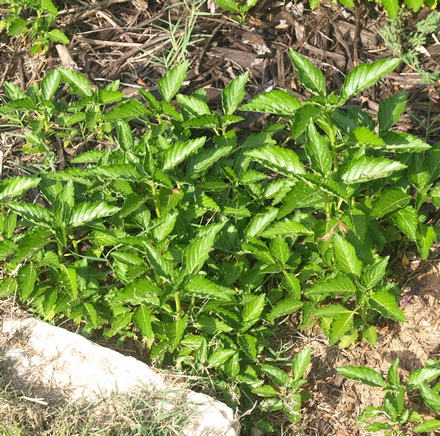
52,357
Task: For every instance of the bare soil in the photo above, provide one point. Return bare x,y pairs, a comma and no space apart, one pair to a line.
115,39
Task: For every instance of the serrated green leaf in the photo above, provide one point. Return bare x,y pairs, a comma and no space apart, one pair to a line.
234,93
365,138
163,226
174,331
388,201
310,77
332,286
285,228
229,5
429,425
16,186
406,219
282,160
340,325
205,159
13,91
280,250
68,279
33,212
259,250
253,308
403,142
364,169
377,426
276,102
385,303
119,323
364,76
142,320
116,172
85,212
211,325
391,109
127,110
30,244
318,151
90,314
374,273
171,82
367,376
219,357
26,280
77,82
330,311
260,221
179,151
193,105
345,257
265,391
369,333
284,307
197,252
277,375
50,84
423,375
431,398
426,236
199,286
300,363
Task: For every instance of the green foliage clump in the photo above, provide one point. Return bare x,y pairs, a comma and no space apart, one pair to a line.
200,242
38,25
393,414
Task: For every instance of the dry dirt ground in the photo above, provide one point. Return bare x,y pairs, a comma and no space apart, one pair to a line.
130,40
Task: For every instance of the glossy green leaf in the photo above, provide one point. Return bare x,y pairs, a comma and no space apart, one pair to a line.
391,109
364,169
340,325
346,257
318,152
86,212
90,314
50,84
431,398
31,243
201,287
285,228
171,82
16,186
420,376
193,105
280,249
196,254
142,320
367,376
33,212
392,7
333,286
77,82
234,93
425,237
366,75
406,219
253,308
179,151
284,307
386,304
389,200
26,280
300,363
69,280
309,76
219,357
127,110
401,142
276,102
374,273
277,375
174,331
265,391
260,221
428,425
282,160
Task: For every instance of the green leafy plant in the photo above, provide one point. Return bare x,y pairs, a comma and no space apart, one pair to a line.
405,43
240,7
38,25
393,414
199,242
392,7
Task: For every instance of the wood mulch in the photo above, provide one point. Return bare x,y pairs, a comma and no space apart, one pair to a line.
132,41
